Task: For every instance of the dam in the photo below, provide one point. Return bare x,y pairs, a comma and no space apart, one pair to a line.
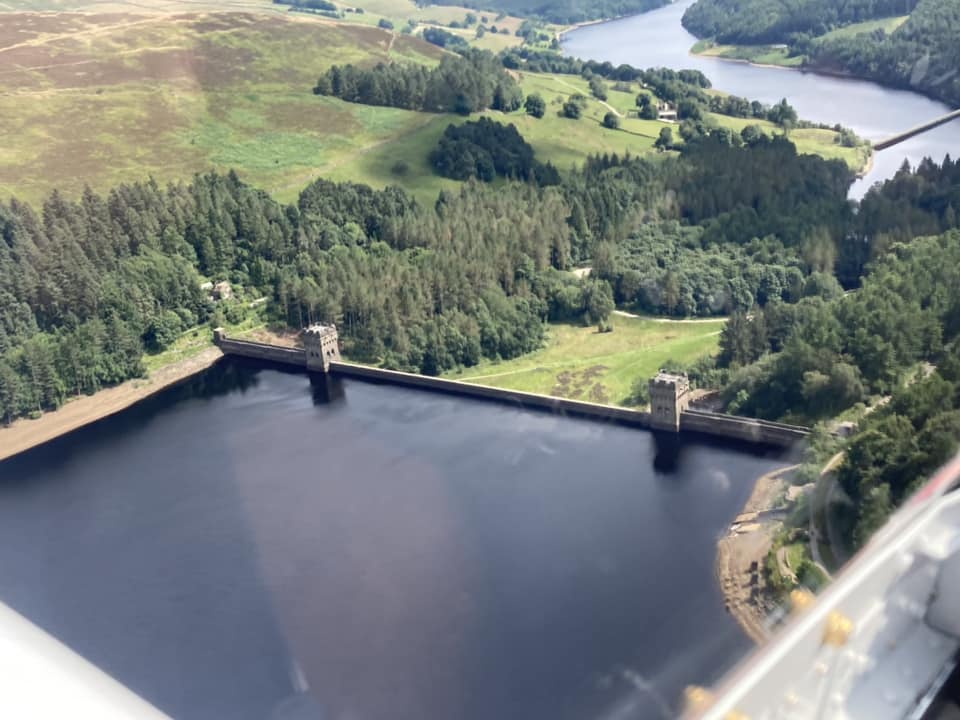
669,393
916,130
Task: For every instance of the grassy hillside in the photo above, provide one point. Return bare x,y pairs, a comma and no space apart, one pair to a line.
888,25
556,139
100,98
578,362
103,98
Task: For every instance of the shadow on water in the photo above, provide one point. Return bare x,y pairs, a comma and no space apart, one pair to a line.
327,389
129,540
236,547
224,377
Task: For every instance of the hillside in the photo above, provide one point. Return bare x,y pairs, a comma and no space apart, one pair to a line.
873,40
171,95
565,11
922,54
757,22
168,95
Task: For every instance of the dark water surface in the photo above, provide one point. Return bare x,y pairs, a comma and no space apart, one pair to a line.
246,546
657,39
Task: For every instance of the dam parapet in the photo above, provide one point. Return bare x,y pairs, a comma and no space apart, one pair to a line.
258,350
669,393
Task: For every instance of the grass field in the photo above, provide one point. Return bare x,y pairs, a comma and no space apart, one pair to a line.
564,142
578,362
101,98
757,54
810,141
779,55
886,24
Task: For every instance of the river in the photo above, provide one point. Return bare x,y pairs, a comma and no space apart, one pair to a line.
657,39
248,546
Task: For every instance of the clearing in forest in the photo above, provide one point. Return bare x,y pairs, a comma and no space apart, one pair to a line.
580,363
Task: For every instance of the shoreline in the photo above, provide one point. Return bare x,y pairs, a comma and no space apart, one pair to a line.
24,434
742,550
600,21
868,166
744,61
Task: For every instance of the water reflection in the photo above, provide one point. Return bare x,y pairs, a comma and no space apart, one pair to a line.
326,389
252,545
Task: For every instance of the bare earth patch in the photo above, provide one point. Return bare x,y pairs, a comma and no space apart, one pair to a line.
25,434
740,555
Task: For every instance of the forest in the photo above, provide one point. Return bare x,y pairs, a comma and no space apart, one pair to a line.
468,82
759,22
902,314
88,286
831,351
923,54
563,12
485,150
475,80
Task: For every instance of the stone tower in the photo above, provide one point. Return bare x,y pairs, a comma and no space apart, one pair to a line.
322,345
669,396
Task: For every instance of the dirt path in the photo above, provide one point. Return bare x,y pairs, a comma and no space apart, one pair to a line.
92,61
25,434
829,478
45,39
607,105
740,554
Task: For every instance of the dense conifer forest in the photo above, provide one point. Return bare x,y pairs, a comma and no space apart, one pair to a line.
923,54
485,150
758,22
469,82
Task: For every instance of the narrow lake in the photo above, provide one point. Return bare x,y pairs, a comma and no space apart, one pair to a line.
249,546
657,39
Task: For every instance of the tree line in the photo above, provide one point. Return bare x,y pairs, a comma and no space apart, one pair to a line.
485,150
758,22
465,83
88,286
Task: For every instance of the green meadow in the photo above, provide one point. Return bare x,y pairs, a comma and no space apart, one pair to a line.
581,363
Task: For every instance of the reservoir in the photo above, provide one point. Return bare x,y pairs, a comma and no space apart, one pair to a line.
250,545
657,39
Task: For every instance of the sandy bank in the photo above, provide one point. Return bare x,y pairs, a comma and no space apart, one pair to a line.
868,168
25,434
740,554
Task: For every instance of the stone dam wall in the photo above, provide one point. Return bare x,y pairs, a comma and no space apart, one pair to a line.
740,428
513,397
749,430
263,351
